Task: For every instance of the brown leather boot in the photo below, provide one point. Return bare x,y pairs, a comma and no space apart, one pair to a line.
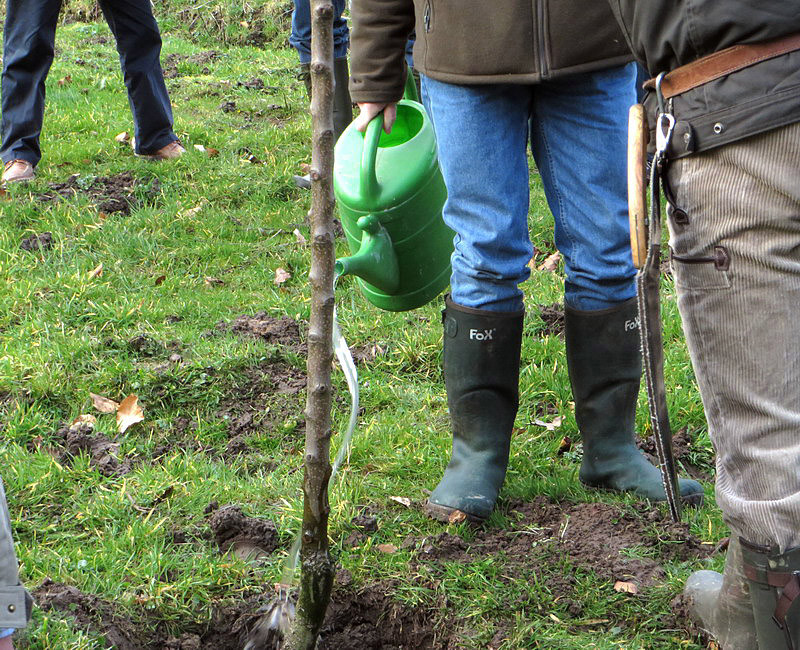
168,152
17,171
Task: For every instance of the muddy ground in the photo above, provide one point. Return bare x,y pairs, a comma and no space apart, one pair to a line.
552,543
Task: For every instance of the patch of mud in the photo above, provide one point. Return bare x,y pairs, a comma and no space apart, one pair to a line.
120,193
371,618
553,318
41,242
90,611
270,400
681,446
171,62
246,537
225,630
600,538
101,450
283,331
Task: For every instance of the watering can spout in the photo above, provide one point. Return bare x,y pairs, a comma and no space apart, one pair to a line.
376,260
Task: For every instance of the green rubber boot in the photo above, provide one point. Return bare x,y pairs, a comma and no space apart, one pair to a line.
720,602
481,374
605,366
775,594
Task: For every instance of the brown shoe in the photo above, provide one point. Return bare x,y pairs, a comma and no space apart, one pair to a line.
17,171
173,150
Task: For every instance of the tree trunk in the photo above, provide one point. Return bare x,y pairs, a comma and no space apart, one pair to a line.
317,569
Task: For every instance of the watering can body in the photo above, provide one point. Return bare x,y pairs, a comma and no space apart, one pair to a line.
390,193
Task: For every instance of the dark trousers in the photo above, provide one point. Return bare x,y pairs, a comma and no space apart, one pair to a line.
28,49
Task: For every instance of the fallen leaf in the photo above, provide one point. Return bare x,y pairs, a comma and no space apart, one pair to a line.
213,282
66,80
123,137
625,587
551,263
457,517
129,413
305,168
102,216
244,24
281,275
160,280
555,618
98,270
565,445
85,418
200,147
191,212
387,548
103,404
403,501
211,152
550,426
3,193
299,237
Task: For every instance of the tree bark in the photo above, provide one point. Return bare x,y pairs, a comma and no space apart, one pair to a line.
317,568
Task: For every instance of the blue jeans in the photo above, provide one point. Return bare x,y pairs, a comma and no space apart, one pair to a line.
300,38
577,131
28,50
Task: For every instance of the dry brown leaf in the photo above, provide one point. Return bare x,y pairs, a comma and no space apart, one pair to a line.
403,501
160,280
551,263
305,168
299,237
457,517
552,425
212,282
211,152
97,270
103,404
281,275
129,413
102,216
4,194
387,548
625,587
123,137
66,80
565,445
191,212
85,418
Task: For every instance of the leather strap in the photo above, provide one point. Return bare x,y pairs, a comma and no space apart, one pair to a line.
722,63
790,592
767,577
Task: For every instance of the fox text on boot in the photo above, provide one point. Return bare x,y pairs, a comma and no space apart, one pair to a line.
478,335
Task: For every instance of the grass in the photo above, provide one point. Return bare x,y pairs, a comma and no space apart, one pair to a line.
65,333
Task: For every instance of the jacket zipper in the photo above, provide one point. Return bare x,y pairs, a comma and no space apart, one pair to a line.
426,17
544,58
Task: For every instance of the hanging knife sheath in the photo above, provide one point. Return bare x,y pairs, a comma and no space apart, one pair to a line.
646,250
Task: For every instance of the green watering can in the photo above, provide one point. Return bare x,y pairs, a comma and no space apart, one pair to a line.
390,193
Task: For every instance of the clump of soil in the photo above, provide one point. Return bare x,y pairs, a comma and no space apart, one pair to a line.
681,446
102,452
171,61
90,611
119,193
553,319
37,242
246,537
283,331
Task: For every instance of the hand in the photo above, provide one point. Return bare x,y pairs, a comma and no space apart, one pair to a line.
6,643
370,110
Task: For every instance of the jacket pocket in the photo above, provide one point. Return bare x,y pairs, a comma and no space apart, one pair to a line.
702,272
476,38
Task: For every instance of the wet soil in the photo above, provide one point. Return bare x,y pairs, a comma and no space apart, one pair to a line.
102,452
284,331
40,242
120,193
552,318
171,62
247,537
682,448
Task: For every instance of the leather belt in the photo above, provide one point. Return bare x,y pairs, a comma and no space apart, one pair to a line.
722,63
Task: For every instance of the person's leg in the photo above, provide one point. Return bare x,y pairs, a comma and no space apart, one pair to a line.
28,49
737,276
578,136
139,46
481,133
15,602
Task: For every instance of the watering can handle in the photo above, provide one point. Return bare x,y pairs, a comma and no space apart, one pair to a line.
369,181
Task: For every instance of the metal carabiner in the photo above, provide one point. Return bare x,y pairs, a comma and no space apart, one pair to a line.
664,127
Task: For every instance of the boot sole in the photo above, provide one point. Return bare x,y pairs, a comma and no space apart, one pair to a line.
443,513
